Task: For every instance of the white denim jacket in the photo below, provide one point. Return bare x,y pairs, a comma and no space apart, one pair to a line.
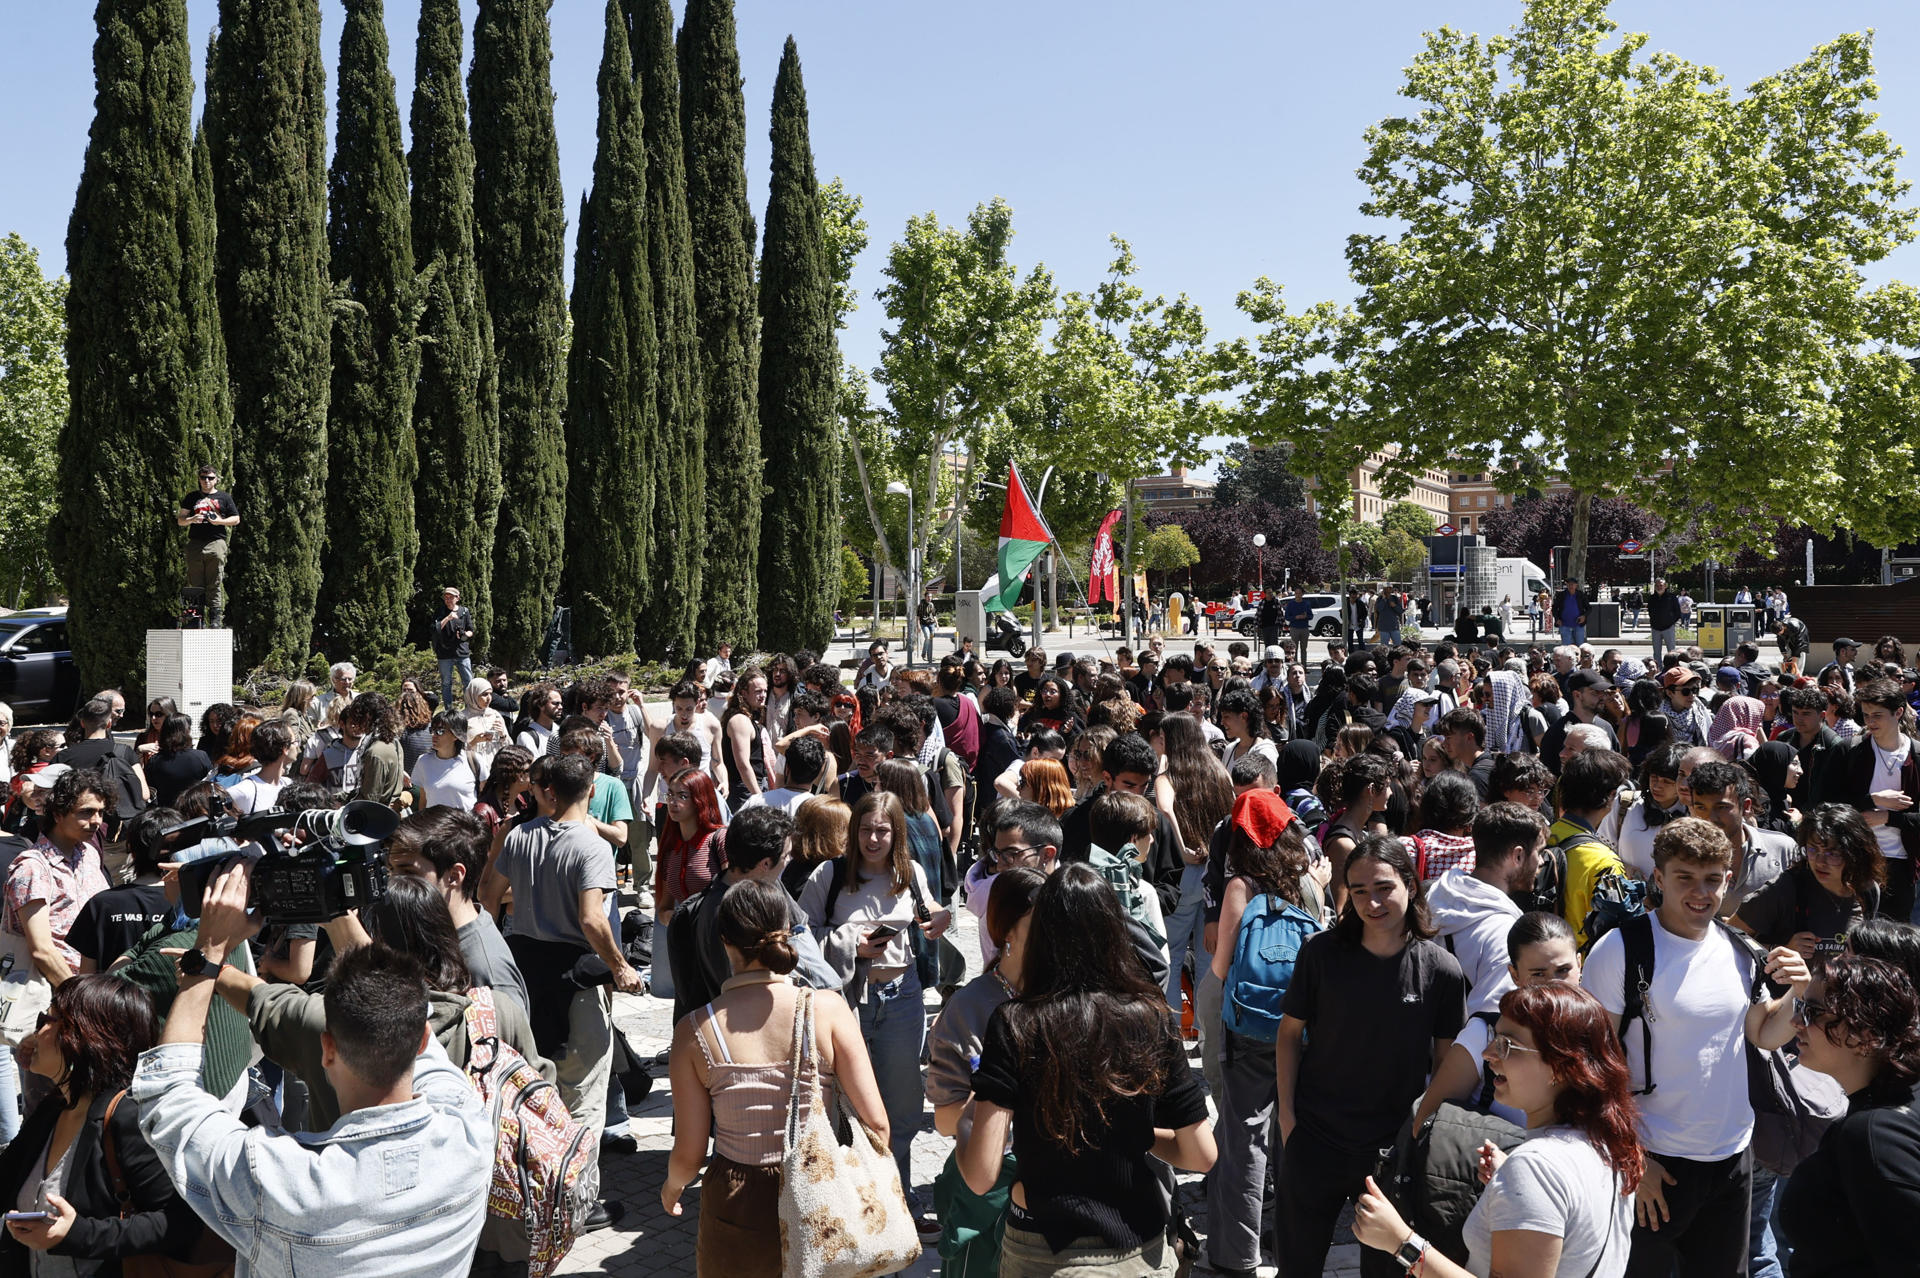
397,1191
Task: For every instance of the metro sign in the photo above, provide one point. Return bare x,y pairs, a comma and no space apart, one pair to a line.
1630,547
1445,530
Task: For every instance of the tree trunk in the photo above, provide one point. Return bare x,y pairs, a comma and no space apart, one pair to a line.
1577,537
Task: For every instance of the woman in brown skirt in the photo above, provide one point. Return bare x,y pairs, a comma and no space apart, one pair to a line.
732,1069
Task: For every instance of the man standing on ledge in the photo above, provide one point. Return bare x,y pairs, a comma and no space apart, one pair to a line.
206,515
452,640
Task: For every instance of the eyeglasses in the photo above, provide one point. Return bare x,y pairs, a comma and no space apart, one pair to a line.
1817,853
1808,1010
1505,1046
1016,852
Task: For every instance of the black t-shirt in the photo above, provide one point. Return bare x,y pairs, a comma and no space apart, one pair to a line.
1110,1188
1371,1025
111,922
1024,684
1795,902
93,751
218,504
169,774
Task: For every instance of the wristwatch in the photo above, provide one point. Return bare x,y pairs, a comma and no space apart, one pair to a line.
196,963
1410,1252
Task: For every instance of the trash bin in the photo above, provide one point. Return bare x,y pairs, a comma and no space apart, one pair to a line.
1712,622
1741,619
969,619
1603,621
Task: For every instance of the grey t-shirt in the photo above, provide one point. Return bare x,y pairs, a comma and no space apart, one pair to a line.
490,962
550,863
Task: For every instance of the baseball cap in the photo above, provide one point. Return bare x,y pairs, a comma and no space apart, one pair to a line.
1729,674
1679,675
46,776
1846,643
1588,679
1273,653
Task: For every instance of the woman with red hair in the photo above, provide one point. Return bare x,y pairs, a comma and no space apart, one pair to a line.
688,857
1560,1205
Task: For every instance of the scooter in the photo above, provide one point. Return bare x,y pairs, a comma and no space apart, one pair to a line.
1007,634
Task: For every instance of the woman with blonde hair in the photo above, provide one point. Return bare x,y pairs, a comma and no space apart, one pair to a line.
1044,781
294,705
861,908
819,835
732,1069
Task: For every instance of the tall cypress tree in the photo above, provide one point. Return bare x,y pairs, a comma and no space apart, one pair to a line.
367,566
122,448
520,232
714,122
611,438
266,127
799,389
672,589
208,416
456,412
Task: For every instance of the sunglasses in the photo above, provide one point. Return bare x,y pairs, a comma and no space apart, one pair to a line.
1808,1010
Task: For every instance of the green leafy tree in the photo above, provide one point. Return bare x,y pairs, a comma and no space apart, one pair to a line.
1406,517
520,243
799,388
612,362
963,349
1602,260
208,413
854,579
121,448
367,565
33,409
672,588
1168,549
266,126
1133,377
456,407
714,122
1248,473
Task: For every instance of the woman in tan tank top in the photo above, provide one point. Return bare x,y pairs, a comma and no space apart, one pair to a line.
732,1066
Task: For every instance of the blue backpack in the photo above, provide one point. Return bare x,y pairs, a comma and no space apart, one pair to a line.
1268,945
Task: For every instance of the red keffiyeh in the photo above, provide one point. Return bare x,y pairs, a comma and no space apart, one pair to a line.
1263,815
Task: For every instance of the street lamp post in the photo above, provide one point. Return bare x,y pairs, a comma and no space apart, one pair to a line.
913,557
1260,559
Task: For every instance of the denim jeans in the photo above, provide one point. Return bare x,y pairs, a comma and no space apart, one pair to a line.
9,1097
1763,1253
893,1021
451,696
1573,635
1185,931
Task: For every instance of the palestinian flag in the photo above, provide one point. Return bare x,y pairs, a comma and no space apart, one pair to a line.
1023,536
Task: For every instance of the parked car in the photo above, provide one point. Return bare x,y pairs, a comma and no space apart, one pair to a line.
1326,617
37,675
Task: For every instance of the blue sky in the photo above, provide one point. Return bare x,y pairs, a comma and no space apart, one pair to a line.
1221,139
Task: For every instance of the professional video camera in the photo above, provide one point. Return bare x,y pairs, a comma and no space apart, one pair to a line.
337,868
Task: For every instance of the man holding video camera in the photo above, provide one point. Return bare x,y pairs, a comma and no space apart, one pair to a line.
293,1204
206,515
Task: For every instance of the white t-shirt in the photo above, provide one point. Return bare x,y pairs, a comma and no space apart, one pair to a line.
536,738
1886,776
863,903
251,794
1697,1010
786,800
448,783
1558,1184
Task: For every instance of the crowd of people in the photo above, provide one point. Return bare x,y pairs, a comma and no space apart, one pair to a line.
1241,915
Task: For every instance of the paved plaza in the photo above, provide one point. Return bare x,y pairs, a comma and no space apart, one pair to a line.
648,1242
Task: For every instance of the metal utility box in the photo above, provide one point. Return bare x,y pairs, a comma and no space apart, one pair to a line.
1741,619
1603,621
194,667
969,619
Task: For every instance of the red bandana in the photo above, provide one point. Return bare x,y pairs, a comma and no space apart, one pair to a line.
1263,815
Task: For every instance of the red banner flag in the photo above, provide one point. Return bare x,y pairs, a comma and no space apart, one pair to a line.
1103,575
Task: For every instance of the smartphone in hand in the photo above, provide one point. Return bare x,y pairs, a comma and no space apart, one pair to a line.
27,1217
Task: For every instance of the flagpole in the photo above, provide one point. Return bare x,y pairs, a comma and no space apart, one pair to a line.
1039,502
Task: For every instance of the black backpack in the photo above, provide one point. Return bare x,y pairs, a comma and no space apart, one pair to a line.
1792,1107
1433,1177
1549,894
